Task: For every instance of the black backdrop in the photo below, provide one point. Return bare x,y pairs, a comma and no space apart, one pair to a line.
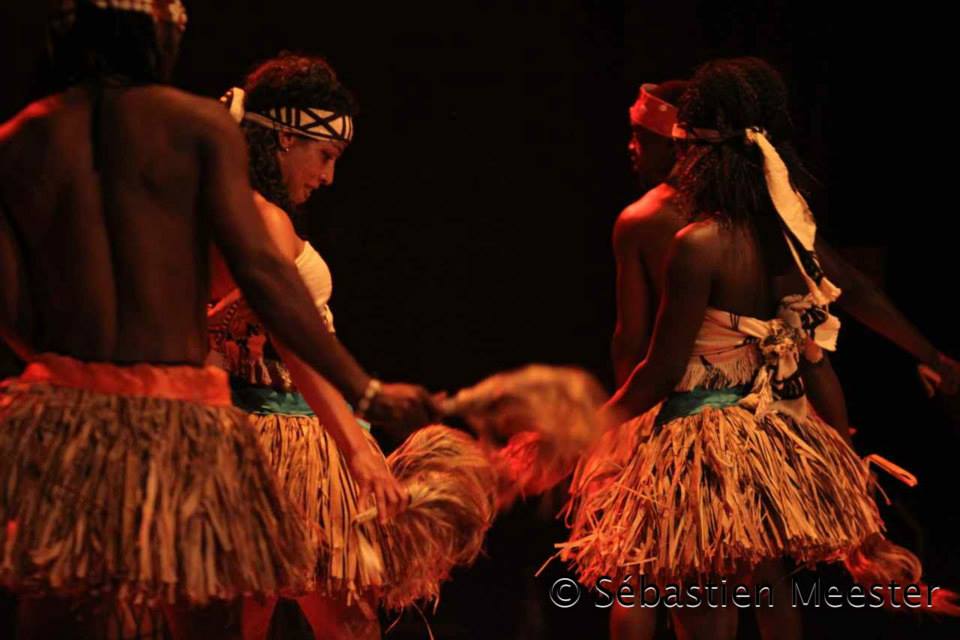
468,227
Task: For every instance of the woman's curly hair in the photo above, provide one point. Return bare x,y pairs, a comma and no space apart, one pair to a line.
288,80
725,180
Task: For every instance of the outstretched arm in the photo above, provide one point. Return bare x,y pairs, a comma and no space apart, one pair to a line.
868,304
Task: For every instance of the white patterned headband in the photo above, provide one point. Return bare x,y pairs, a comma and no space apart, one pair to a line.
309,122
166,11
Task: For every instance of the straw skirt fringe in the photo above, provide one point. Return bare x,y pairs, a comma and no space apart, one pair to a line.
452,486
715,493
314,474
148,499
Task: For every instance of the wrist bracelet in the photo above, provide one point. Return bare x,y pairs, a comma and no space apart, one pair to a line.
373,388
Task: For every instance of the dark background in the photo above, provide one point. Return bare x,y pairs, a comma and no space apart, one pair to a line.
468,228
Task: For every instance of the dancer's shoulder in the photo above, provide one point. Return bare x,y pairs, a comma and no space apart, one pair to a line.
654,214
279,226
34,118
27,137
186,112
701,243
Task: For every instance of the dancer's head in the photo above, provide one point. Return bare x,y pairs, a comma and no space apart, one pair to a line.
134,42
298,121
718,171
652,116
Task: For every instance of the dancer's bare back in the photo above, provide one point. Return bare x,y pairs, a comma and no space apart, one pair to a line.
105,221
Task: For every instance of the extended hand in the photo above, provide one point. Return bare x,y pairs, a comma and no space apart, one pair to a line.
376,483
400,408
942,375
612,414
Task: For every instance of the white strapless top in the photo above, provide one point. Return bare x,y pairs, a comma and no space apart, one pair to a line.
316,275
732,350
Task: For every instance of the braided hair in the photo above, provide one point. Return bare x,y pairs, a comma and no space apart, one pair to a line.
725,179
288,80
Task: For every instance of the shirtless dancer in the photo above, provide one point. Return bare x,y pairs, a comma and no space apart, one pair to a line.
126,472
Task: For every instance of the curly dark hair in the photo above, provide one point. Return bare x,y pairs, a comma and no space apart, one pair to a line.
288,80
725,180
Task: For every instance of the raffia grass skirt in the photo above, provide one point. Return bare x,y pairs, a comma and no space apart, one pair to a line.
314,474
139,498
452,486
715,493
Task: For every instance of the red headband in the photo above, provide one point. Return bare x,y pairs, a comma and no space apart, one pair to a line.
652,113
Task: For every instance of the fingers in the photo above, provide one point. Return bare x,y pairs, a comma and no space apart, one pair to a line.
391,498
396,497
929,378
424,408
364,494
383,508
417,408
406,406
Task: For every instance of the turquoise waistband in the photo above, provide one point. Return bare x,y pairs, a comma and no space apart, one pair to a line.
267,401
681,404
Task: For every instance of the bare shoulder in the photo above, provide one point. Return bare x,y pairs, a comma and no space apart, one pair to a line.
32,120
204,117
272,214
698,246
208,111
651,215
279,226
26,138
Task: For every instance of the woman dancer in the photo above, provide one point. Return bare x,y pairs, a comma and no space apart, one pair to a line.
726,472
297,119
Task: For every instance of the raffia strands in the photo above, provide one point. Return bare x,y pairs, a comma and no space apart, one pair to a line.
558,403
717,492
314,474
453,491
150,499
608,457
879,561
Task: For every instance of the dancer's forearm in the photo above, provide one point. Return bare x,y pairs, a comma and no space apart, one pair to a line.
826,394
331,409
866,302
